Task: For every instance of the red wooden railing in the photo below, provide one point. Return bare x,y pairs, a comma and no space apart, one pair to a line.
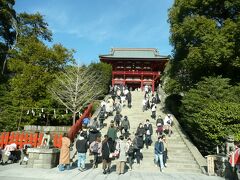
78,125
151,73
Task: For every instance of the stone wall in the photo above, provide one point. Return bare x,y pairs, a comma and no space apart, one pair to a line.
52,129
43,158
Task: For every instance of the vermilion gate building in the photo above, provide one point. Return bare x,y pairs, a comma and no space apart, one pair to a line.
135,67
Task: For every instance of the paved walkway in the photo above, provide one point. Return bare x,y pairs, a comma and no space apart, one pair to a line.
14,171
181,163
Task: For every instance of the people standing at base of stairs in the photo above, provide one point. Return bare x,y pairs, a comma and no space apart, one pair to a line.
107,149
112,132
125,125
64,160
165,152
82,147
158,152
96,150
122,148
130,153
148,133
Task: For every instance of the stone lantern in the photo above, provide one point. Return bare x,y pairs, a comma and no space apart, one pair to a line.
229,144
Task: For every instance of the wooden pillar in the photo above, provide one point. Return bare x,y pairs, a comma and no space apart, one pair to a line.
142,84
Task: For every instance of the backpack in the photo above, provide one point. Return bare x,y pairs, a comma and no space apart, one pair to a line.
139,142
86,121
95,148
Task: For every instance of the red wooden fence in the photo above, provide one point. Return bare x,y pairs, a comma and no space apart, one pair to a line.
21,138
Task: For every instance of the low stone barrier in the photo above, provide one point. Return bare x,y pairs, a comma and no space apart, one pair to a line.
43,158
52,129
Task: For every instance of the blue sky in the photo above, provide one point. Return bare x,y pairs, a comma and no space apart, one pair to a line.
92,27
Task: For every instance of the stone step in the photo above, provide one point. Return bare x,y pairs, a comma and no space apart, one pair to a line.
182,161
169,168
180,158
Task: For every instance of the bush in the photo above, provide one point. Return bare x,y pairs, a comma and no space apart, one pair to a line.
210,112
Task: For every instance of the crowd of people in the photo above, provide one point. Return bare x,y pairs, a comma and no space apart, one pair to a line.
122,148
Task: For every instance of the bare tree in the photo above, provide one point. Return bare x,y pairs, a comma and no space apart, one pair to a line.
76,87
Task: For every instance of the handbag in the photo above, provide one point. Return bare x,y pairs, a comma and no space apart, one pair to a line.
116,153
111,155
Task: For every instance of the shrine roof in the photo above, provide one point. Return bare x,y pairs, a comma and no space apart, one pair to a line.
133,53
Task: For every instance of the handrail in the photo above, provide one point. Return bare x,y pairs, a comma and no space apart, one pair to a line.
78,125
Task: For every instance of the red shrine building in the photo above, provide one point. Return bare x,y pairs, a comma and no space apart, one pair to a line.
135,67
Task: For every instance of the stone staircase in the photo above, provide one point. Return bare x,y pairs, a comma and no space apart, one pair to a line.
180,158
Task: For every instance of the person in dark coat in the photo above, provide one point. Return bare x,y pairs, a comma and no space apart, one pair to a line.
129,99
140,129
117,119
126,126
130,153
137,146
148,133
157,98
82,147
101,117
93,134
107,148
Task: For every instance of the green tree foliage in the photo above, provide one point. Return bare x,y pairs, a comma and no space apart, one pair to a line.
205,35
33,25
211,112
206,40
33,66
7,29
105,70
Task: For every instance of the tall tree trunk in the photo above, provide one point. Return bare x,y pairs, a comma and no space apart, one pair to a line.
74,117
4,65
